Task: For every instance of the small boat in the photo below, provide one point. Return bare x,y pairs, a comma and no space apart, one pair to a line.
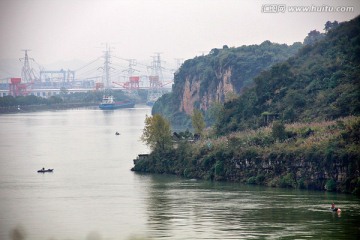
117,133
335,209
108,103
43,170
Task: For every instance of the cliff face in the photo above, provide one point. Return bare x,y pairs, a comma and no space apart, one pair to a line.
191,94
219,76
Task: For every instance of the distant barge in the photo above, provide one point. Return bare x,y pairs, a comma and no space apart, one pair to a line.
108,103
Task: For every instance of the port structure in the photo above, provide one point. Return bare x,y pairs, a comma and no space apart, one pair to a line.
59,78
133,83
22,86
51,82
17,88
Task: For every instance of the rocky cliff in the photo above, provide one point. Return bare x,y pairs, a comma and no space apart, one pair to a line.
191,93
221,75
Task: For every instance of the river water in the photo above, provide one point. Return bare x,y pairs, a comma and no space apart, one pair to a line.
93,195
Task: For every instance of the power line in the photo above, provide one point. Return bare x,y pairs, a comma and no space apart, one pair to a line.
87,64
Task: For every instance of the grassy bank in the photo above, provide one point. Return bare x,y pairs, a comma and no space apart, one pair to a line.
319,155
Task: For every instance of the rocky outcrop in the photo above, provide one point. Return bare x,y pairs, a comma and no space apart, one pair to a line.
225,87
218,76
192,89
190,95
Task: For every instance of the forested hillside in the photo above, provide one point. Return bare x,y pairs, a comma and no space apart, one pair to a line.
321,82
207,80
297,127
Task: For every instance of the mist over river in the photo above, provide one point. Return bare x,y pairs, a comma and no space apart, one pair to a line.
93,195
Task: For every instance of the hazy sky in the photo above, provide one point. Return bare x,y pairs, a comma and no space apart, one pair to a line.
67,30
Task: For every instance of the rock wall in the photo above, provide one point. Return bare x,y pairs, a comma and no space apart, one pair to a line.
193,89
190,95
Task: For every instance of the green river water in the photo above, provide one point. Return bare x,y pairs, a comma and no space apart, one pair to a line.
93,195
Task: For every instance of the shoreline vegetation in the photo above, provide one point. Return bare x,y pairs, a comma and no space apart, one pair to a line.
320,156
44,107
31,103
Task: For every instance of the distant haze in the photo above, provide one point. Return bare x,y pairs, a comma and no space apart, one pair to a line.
68,33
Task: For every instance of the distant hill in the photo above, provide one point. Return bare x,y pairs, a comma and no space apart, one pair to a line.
207,81
321,82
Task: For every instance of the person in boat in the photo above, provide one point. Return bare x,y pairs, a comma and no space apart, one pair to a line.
43,169
335,209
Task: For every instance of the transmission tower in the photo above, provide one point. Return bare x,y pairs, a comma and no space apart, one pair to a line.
27,73
156,67
156,79
131,70
133,84
106,68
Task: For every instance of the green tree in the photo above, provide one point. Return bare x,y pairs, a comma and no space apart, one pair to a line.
213,113
198,122
330,25
55,100
278,131
157,133
63,91
312,37
330,185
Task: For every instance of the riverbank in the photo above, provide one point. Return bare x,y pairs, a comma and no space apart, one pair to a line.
44,107
321,156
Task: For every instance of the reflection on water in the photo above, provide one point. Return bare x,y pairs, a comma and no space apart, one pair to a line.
186,209
93,195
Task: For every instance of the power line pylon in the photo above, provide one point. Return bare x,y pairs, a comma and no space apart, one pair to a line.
27,73
155,79
156,67
131,70
133,84
106,68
